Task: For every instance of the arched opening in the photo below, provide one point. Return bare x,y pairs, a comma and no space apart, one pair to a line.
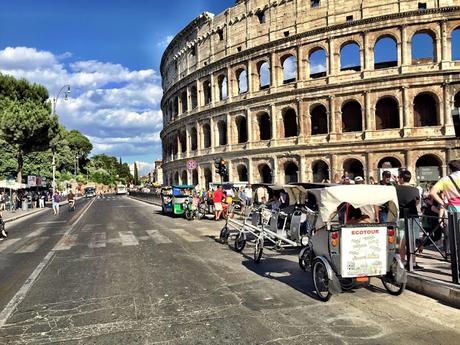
184,177
455,44
223,87
242,173
290,123
425,110
457,100
176,106
385,52
207,177
289,64
320,171
423,48
207,94
389,163
263,120
195,177
206,136
222,129
242,129
175,145
194,97
183,100
387,113
176,178
352,117
194,139
291,173
353,167
171,111
350,59
318,63
428,168
265,173
264,75
183,141
242,78
319,120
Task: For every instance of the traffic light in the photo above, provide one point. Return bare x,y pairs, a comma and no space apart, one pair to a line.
221,167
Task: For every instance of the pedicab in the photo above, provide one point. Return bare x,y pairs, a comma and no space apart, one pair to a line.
180,198
166,200
348,245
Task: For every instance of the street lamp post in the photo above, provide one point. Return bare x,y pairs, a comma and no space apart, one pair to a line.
55,99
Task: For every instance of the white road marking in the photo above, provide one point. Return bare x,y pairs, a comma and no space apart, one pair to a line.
88,227
157,237
54,222
8,243
186,235
128,238
66,242
31,245
37,232
98,240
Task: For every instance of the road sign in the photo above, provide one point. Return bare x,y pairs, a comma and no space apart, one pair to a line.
192,164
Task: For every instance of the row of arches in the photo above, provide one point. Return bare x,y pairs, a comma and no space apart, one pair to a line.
290,170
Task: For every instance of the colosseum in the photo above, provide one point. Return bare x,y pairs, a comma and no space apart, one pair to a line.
308,90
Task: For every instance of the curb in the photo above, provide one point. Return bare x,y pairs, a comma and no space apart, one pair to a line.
9,220
146,201
434,288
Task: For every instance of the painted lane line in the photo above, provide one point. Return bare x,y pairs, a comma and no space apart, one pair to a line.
37,232
88,227
31,245
98,240
186,235
6,244
128,238
53,222
157,237
22,292
66,243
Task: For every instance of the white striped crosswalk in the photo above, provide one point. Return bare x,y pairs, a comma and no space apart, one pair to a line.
100,239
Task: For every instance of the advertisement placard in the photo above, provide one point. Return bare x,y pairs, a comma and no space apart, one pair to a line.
31,181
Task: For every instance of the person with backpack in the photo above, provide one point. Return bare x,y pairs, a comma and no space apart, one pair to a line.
450,186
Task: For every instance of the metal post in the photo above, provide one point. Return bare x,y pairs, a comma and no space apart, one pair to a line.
454,239
409,241
54,172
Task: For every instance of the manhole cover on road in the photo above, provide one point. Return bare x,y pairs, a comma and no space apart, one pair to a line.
354,327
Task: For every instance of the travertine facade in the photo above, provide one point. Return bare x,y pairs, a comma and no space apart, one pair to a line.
306,90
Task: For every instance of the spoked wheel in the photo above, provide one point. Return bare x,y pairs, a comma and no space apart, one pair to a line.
240,242
224,233
393,287
321,280
189,214
201,212
305,258
258,249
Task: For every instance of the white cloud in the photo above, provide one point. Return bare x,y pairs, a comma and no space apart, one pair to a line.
116,107
164,43
143,168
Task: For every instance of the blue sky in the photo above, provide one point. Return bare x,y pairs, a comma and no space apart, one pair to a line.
109,51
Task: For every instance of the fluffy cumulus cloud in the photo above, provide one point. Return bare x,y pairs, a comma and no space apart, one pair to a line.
117,108
142,167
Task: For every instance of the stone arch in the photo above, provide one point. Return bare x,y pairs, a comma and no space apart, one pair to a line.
223,87
242,173
195,179
207,174
264,124
354,167
291,172
241,129
207,92
176,178
389,162
320,171
183,141
352,117
319,121
194,97
387,113
455,44
290,123
289,66
265,173
385,52
318,62
263,68
183,101
428,168
206,136
423,47
184,177
222,131
350,57
242,80
194,139
425,110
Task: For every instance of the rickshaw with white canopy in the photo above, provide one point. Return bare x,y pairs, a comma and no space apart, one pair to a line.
348,245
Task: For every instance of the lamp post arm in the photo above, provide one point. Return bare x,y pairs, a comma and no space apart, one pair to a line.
55,99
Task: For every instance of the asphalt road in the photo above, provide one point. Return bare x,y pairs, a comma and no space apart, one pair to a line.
118,272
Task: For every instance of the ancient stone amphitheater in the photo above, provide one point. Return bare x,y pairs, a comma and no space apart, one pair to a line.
301,90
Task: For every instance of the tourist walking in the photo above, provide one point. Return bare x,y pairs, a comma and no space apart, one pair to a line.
56,201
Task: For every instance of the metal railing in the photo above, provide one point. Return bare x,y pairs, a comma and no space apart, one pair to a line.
152,197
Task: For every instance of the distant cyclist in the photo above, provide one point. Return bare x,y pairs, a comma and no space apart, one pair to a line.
71,198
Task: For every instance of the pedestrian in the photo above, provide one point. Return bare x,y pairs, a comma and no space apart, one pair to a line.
2,201
248,195
41,200
56,201
450,186
242,198
217,197
14,200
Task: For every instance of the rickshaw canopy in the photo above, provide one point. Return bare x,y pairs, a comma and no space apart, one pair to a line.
178,190
297,194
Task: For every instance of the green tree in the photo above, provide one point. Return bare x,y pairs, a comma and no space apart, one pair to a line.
136,175
80,146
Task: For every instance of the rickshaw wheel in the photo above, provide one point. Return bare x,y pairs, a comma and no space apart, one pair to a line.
224,233
321,280
189,215
240,242
258,250
392,287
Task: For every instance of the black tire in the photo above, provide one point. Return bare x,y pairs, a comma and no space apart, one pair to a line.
258,250
240,242
392,287
224,233
188,214
320,280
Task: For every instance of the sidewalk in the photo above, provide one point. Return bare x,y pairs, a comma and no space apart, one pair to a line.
9,216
